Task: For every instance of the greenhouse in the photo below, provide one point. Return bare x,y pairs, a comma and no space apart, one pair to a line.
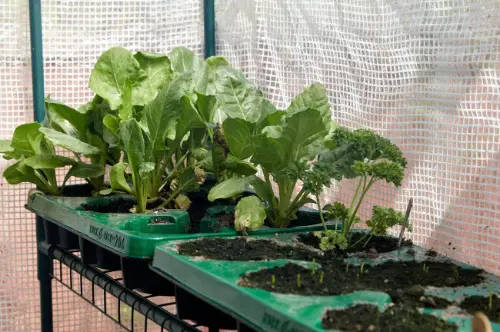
250,165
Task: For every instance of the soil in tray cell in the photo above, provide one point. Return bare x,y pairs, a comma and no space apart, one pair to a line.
376,245
491,309
241,249
403,281
365,317
120,205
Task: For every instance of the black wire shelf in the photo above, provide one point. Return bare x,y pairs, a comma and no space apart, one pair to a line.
103,290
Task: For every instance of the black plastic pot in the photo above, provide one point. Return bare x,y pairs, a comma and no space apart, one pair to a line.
88,252
193,308
137,275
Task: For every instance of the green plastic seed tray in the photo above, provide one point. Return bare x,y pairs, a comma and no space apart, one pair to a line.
216,282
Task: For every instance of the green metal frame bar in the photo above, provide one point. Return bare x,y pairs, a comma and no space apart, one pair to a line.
209,22
44,264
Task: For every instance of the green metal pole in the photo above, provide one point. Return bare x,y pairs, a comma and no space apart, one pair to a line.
209,20
43,261
37,59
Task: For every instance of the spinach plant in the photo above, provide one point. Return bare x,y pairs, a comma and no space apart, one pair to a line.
164,106
37,161
281,142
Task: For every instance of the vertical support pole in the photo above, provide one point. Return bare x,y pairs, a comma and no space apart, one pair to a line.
37,59
43,260
209,22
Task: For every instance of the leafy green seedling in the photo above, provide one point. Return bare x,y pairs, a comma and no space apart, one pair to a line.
298,280
273,281
313,271
321,276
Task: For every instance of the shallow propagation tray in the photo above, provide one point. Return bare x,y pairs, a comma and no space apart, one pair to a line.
217,282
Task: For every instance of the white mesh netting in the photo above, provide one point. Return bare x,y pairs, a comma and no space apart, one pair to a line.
425,73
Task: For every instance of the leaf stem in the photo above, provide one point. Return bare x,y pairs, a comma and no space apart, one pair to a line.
320,212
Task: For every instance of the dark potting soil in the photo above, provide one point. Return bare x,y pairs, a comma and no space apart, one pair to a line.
365,317
474,304
117,205
376,245
242,249
225,220
404,281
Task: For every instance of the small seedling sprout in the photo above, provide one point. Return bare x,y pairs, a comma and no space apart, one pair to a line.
362,268
427,269
347,268
455,271
313,267
298,280
273,281
357,276
321,276
424,267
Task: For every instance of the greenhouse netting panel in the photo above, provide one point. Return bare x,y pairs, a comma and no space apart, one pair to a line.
75,33
424,73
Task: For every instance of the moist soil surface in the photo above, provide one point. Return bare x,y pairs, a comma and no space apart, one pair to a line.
242,249
365,317
376,245
403,281
474,304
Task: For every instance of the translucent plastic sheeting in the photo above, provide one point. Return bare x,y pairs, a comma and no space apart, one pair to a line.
425,73
76,32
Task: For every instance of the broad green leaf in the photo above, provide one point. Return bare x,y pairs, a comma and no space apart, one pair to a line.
270,153
145,169
236,96
189,118
67,119
314,97
249,213
126,109
112,123
228,188
7,151
239,137
158,73
113,69
131,136
206,80
206,105
300,130
5,146
46,161
19,173
162,113
68,142
262,189
27,139
84,171
238,166
132,140
187,180
117,178
185,61
270,116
